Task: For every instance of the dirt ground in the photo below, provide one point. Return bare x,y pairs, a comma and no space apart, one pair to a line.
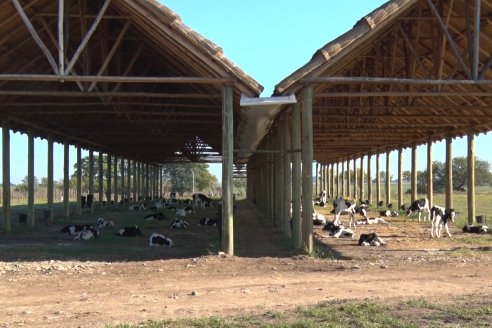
264,275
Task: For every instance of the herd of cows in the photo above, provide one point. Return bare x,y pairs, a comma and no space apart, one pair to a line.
438,216
179,208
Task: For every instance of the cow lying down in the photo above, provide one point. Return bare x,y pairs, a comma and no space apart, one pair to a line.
74,229
371,221
101,222
207,222
338,230
156,239
475,229
179,224
129,232
88,234
318,219
155,217
371,239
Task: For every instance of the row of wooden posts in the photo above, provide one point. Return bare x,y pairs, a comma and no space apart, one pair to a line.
278,180
147,180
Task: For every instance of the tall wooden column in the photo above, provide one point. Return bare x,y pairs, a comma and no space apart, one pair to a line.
449,172
316,180
122,188
348,179
128,180
7,221
115,179
414,173
471,178
400,178
430,183
49,176
287,174
343,179
91,178
332,181
79,180
227,170
338,180
388,179
66,180
138,179
307,168
109,191
30,180
361,180
369,179
355,180
101,179
296,177
378,180
135,181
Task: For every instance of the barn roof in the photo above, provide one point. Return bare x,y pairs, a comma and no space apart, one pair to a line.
135,81
410,72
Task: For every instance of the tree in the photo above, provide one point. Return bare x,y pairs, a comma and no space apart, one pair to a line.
180,177
23,185
406,176
239,185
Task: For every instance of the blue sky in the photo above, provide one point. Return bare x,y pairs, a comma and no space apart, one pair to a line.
268,39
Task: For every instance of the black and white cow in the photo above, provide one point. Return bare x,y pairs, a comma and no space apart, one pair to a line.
371,221
156,239
207,222
101,222
321,200
337,231
179,224
440,217
371,239
74,229
318,219
388,213
201,201
129,232
86,235
137,207
341,206
155,217
419,206
475,229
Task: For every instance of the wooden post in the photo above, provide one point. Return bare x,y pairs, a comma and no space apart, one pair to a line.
79,180
135,181
91,179
7,222
471,178
101,180
30,179
449,172
369,179
115,179
361,180
296,177
109,190
227,170
343,179
414,173
332,181
307,170
388,179
316,180
122,189
128,180
138,180
430,183
400,178
355,180
66,180
49,176
378,180
338,180
287,175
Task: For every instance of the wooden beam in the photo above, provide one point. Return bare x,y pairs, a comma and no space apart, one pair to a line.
7,220
30,180
476,41
369,179
87,36
115,179
135,181
296,177
35,35
307,174
343,178
100,178
109,190
77,94
378,180
391,80
227,170
452,44
61,38
471,178
355,180
388,179
122,170
424,93
449,172
361,180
